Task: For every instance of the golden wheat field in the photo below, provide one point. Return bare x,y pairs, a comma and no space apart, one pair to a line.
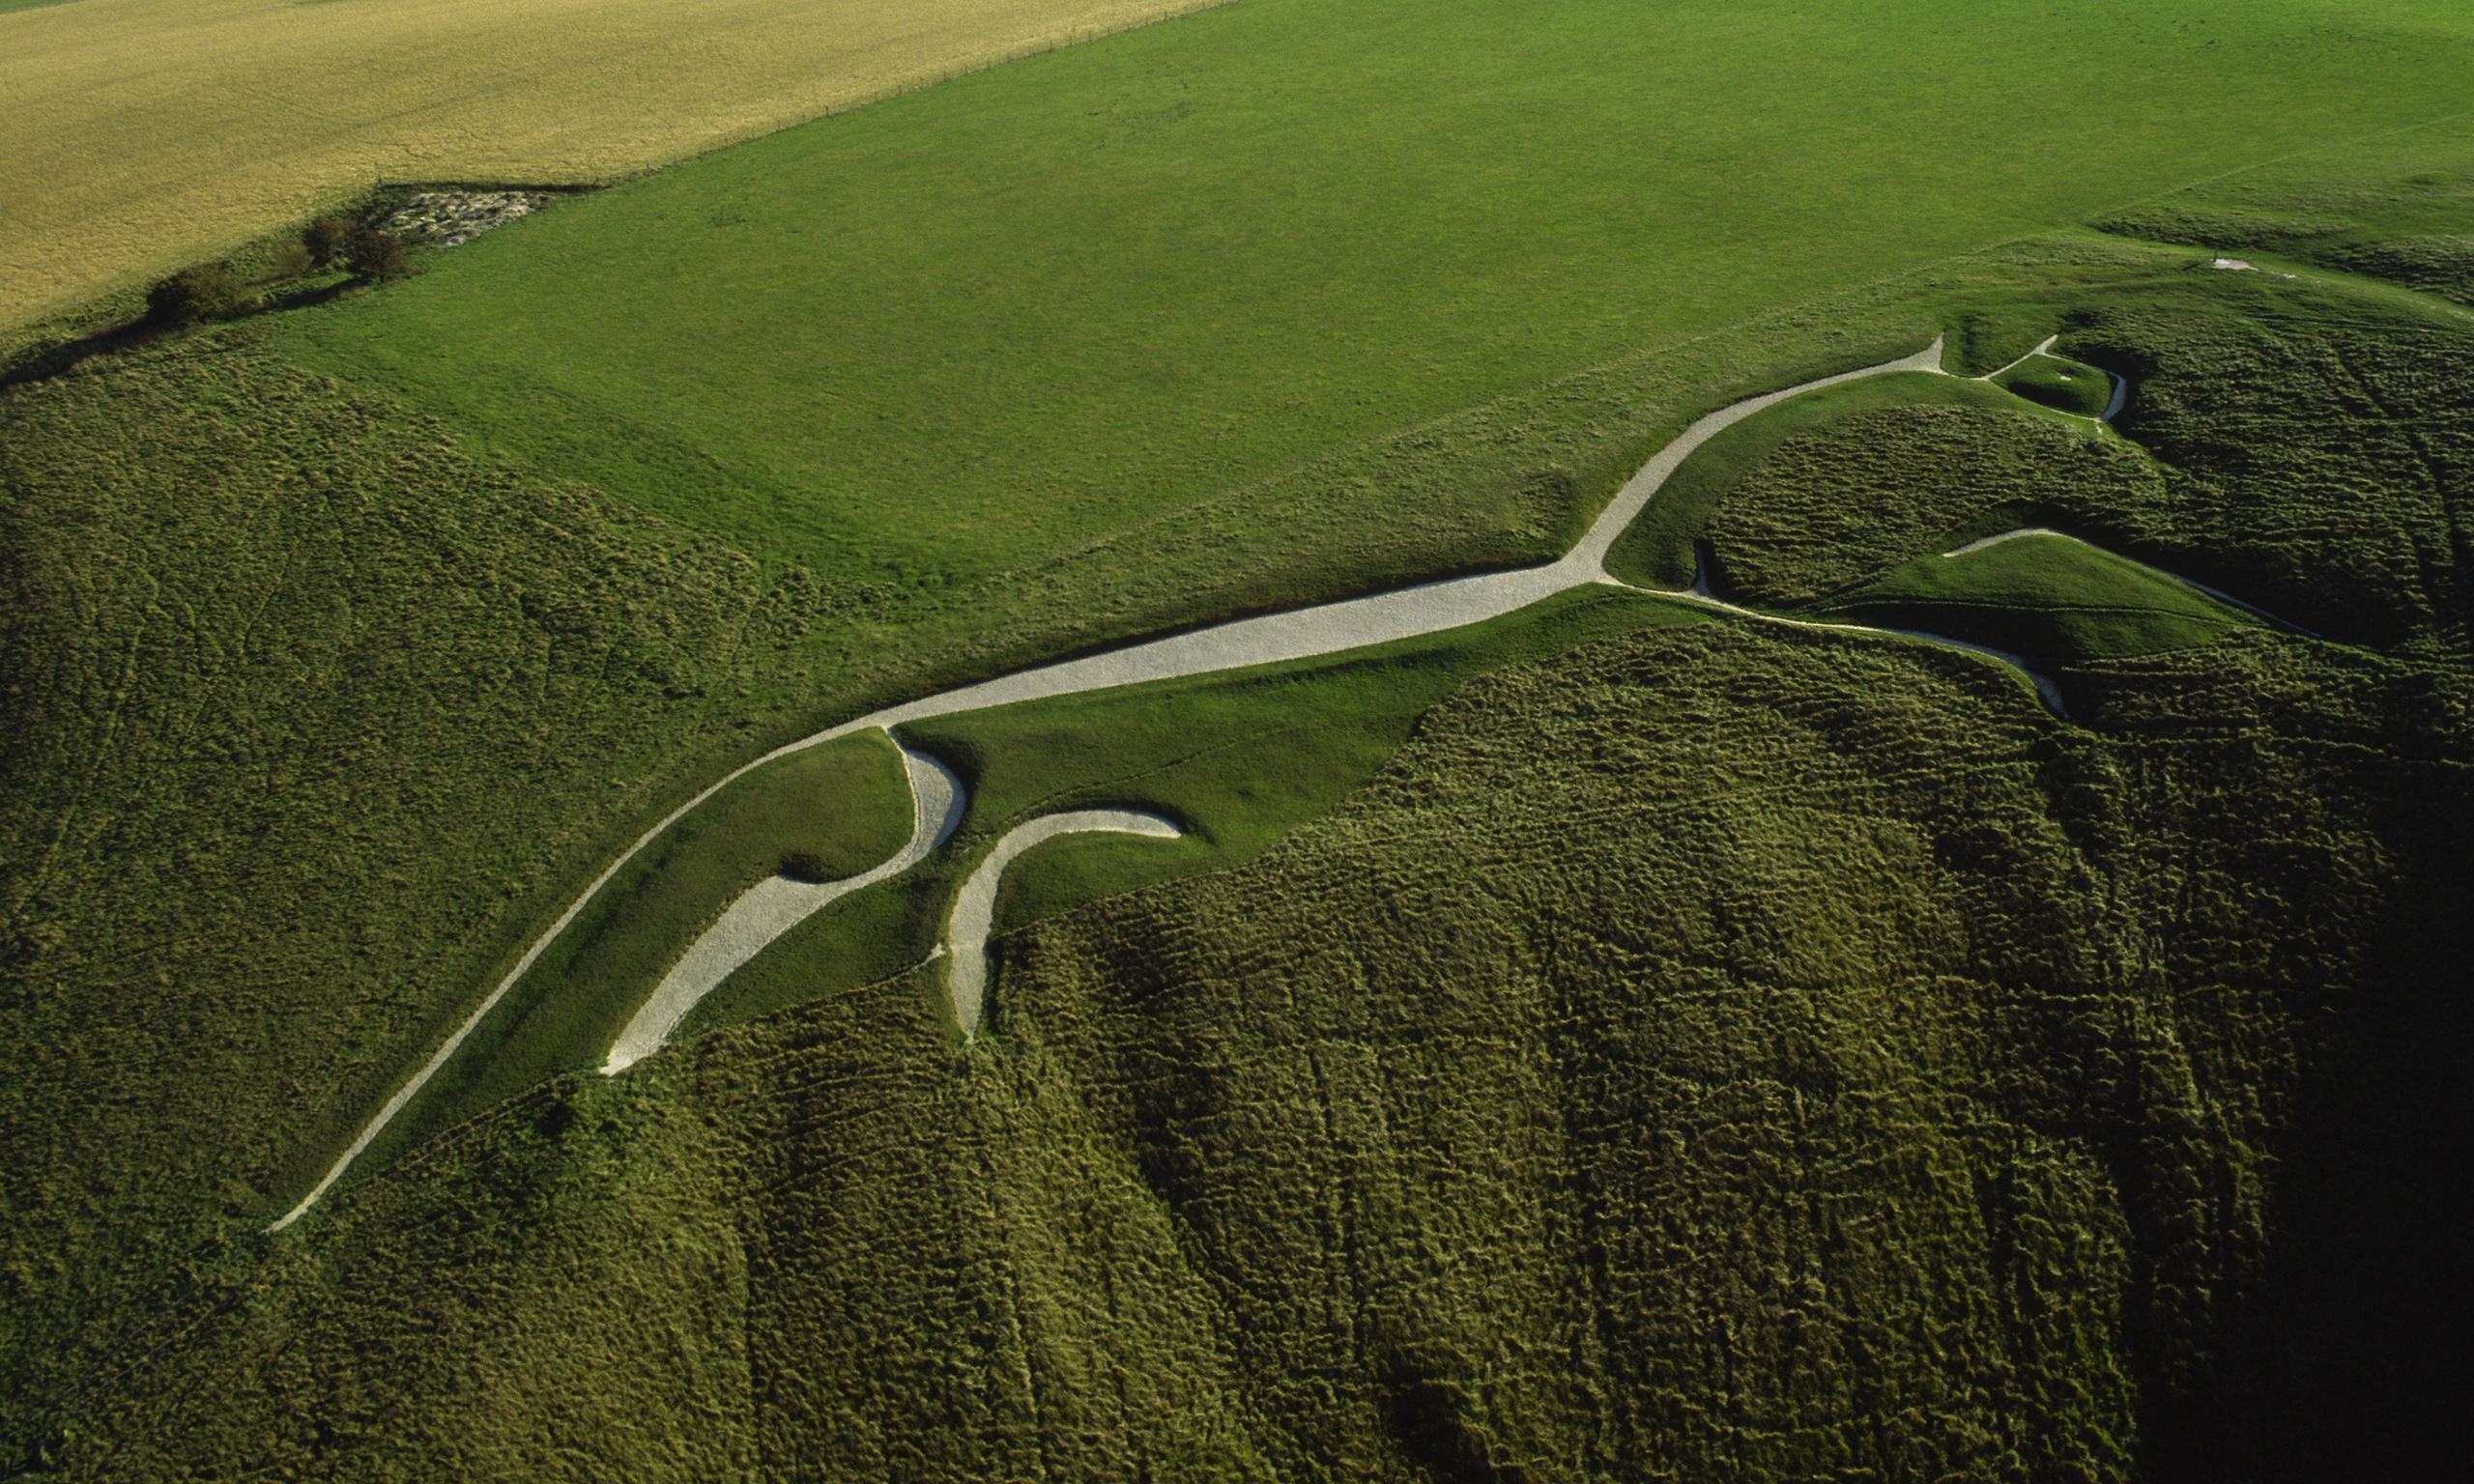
140,136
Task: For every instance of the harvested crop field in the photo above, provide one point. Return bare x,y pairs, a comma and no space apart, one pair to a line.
137,135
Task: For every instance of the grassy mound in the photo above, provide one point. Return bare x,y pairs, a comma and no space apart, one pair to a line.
2047,598
2066,385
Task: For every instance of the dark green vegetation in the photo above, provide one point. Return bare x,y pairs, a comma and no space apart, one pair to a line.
1658,549
356,714
1644,1078
310,719
207,292
1701,1051
1717,1052
2287,483
2048,599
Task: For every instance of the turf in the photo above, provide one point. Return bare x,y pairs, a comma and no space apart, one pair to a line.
2063,384
2049,599
319,711
1662,1078
312,720
2392,211
1142,276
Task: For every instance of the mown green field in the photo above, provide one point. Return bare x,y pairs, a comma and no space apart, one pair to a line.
1667,1030
966,335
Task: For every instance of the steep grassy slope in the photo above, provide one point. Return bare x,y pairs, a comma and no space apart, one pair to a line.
1660,549
1239,761
228,576
2391,209
308,717
140,136
318,711
1717,1054
520,676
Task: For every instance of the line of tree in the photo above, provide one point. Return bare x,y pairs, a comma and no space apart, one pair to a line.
213,291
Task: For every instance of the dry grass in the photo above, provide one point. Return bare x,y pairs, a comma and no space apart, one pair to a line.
138,136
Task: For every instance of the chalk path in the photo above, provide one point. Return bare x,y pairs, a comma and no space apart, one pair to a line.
1331,628
770,909
974,913
777,905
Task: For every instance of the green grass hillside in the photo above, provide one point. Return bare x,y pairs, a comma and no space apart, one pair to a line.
2287,441
525,672
962,334
1575,1070
1715,1054
1658,549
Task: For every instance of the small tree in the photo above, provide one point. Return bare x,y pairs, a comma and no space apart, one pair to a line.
374,253
326,239
209,290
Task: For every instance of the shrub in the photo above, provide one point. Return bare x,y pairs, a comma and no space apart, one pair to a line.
289,261
325,241
209,290
375,253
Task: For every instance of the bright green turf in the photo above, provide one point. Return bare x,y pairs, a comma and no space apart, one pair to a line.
2059,383
2045,597
1657,549
968,329
2390,210
1237,761
846,802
